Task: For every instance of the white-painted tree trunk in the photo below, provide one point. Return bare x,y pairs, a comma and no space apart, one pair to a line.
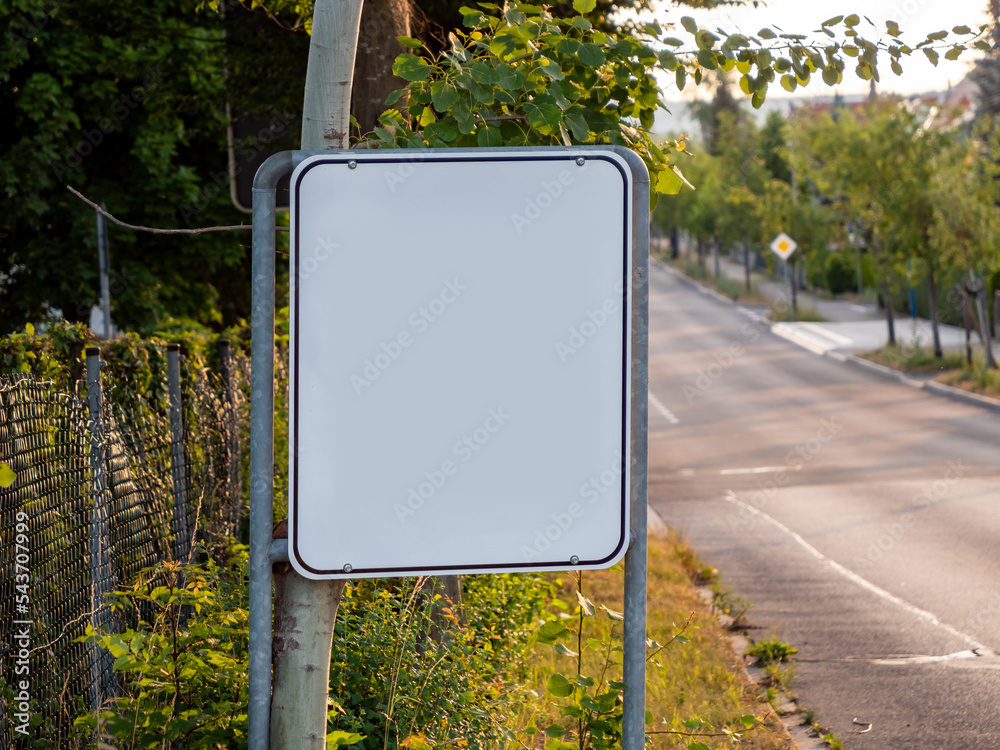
326,108
305,610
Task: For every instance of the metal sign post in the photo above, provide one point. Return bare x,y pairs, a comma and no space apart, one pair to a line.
494,429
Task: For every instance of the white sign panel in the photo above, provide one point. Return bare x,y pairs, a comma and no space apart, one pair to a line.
460,362
783,246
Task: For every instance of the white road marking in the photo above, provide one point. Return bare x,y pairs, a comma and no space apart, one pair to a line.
667,414
894,660
858,580
754,470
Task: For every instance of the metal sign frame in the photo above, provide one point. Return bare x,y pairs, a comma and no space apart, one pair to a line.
264,551
348,516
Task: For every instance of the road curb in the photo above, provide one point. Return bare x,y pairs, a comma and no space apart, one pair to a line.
683,278
930,386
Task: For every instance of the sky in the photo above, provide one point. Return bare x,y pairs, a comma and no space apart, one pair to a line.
916,18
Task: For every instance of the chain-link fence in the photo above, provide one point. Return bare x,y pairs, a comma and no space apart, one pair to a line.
103,488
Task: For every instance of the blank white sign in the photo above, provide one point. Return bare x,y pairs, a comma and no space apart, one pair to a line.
460,362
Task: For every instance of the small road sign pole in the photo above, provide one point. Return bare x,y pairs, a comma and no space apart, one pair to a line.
262,445
634,655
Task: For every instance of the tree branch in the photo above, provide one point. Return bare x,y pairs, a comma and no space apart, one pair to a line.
155,230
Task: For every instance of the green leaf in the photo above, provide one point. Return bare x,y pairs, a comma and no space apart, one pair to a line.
544,117
788,83
748,721
893,28
931,55
962,30
426,117
668,182
551,631
7,475
613,615
577,125
411,68
489,136
29,329
585,604
584,6
409,41
833,21
551,69
954,53
852,20
560,745
443,96
564,650
591,55
559,686
336,739
582,24
689,24
698,746
766,33
554,730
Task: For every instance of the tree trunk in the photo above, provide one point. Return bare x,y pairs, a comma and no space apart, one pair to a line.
381,22
327,101
890,320
932,303
304,614
305,610
984,323
746,259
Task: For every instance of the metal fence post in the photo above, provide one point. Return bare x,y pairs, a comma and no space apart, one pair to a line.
181,542
100,559
234,470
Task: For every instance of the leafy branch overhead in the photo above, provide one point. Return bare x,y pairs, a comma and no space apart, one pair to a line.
519,76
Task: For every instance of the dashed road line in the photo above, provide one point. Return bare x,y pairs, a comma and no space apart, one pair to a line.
667,414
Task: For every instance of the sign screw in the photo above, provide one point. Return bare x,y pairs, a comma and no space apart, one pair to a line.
580,161
348,568
574,560
352,165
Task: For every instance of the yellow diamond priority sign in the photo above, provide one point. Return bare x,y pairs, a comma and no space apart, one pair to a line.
783,246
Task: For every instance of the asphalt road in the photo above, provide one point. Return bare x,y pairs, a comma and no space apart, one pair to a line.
861,518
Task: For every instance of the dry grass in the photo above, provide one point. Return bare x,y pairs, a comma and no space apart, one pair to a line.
700,678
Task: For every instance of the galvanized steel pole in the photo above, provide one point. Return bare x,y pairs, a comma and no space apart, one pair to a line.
634,656
262,445
100,561
182,546
105,271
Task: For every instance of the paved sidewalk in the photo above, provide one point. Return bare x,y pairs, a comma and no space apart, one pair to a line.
851,327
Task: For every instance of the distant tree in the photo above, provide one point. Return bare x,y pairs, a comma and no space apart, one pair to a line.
710,115
986,72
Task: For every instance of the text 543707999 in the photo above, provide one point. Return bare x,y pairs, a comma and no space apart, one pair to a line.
22,632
